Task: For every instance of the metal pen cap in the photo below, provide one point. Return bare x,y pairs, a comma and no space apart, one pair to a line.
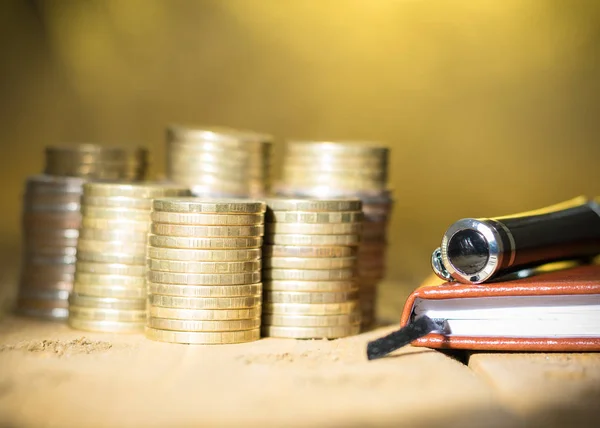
474,251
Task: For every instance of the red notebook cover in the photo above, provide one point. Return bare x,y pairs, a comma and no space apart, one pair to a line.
578,280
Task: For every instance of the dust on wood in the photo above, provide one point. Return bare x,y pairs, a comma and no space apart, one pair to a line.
59,348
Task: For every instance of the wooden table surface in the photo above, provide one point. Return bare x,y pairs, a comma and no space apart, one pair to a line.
53,376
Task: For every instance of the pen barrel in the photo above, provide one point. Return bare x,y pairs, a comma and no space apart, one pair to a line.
565,231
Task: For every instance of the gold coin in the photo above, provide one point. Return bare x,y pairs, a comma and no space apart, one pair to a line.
38,207
97,314
204,267
314,217
309,274
53,314
120,234
204,243
314,229
110,268
338,181
310,262
112,291
105,326
42,304
111,257
314,205
205,290
205,302
111,213
307,251
310,332
338,147
207,219
41,294
205,314
106,302
138,191
207,231
117,202
312,320
204,255
110,247
46,184
68,220
310,308
101,223
203,338
312,240
216,206
204,279
199,326
309,297
311,286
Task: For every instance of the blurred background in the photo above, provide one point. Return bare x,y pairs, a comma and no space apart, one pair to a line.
490,107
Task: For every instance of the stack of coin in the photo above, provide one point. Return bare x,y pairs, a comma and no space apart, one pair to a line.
218,161
344,169
310,262
51,222
204,260
97,162
109,292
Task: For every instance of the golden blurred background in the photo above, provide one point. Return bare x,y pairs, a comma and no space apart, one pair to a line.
490,107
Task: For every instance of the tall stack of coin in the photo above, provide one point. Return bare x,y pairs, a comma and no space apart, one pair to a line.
51,222
109,292
218,161
204,259
344,169
310,263
97,162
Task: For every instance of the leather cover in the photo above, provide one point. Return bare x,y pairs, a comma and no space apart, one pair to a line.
578,280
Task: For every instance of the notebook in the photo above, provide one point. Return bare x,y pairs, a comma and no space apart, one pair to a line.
553,311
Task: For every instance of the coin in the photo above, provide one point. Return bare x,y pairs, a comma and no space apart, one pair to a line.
205,290
117,202
106,302
314,205
311,320
71,220
115,213
101,280
111,257
139,191
337,147
42,304
196,205
310,262
203,338
314,217
310,308
205,314
110,247
101,223
309,274
308,251
205,303
311,332
53,314
120,234
309,286
204,255
204,279
111,268
105,326
114,291
310,297
204,267
312,240
40,207
40,294
207,231
204,243
207,219
199,326
100,314
314,229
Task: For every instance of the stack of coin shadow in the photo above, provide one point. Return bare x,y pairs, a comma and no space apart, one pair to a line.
109,292
219,161
347,169
97,162
310,268
204,276
51,220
